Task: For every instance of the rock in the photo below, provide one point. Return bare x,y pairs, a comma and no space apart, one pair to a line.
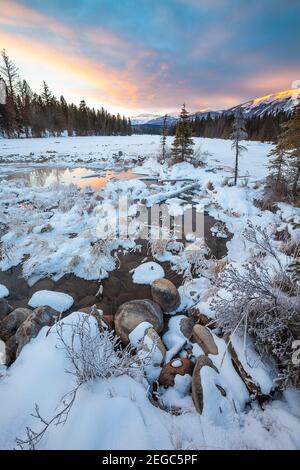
10,324
40,317
148,272
203,337
108,319
152,343
180,366
199,317
294,325
131,314
186,327
197,390
165,294
261,387
56,300
10,350
5,308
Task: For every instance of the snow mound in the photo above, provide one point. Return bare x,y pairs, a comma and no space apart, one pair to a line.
147,273
4,292
57,300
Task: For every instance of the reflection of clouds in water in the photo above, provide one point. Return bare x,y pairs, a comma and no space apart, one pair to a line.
81,177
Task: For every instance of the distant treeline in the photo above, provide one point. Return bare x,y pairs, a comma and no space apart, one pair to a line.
28,114
265,128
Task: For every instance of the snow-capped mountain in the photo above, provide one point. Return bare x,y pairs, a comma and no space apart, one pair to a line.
283,101
143,118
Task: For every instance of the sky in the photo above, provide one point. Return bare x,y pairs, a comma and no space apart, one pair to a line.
136,56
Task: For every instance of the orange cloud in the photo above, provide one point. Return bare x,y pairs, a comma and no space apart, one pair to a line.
109,81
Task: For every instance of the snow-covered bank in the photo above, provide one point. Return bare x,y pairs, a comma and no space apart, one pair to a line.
97,151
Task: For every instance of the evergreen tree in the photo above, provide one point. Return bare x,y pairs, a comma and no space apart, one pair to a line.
182,148
36,115
163,138
238,133
290,141
278,164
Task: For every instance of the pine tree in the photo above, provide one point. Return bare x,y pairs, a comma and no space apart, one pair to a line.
290,140
163,138
277,165
182,148
238,133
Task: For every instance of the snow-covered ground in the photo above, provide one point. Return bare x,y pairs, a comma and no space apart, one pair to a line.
59,229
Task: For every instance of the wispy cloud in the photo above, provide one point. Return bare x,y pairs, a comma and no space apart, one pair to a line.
138,56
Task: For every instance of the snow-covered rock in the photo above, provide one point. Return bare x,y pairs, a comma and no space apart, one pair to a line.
57,300
4,292
147,273
133,313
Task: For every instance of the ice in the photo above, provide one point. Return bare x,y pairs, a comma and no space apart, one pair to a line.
56,300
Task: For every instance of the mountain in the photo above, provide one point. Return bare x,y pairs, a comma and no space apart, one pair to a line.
283,101
143,118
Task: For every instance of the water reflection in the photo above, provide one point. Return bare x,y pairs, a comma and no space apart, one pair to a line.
81,177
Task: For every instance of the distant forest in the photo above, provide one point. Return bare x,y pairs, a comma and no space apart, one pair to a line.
28,114
265,128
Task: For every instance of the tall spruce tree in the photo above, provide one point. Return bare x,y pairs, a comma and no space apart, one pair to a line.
290,141
163,138
182,148
238,133
277,165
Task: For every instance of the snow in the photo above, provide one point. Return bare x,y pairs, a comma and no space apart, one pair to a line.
262,373
56,230
4,292
56,300
138,333
2,353
131,421
147,273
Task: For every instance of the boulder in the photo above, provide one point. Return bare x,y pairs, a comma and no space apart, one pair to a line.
186,327
199,317
165,294
152,343
203,337
5,308
169,371
11,346
40,317
131,314
10,324
197,389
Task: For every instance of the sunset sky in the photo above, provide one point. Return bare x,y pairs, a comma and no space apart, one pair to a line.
134,56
